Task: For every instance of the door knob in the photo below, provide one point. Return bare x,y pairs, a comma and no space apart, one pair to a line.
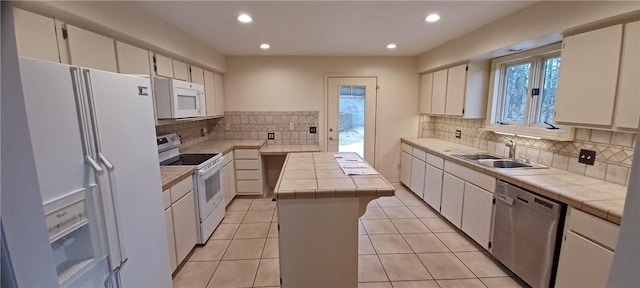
330,129
331,138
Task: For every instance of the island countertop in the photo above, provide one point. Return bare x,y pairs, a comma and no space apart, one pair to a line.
318,175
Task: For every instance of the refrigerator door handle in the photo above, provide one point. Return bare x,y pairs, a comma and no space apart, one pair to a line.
106,161
82,120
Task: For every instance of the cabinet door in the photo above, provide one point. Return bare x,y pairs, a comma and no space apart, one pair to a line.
452,197
180,70
90,49
583,263
426,92
405,168
219,88
433,186
197,75
589,76
477,214
417,177
439,94
163,66
168,220
628,105
36,36
229,183
210,93
184,223
131,59
456,89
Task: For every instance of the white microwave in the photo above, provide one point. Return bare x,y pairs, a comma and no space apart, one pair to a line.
178,99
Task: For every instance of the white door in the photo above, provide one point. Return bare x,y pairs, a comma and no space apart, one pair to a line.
351,115
583,263
452,198
36,36
417,177
477,214
131,59
433,186
405,168
90,49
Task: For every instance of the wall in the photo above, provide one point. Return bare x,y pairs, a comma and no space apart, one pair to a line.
299,83
614,150
537,25
130,23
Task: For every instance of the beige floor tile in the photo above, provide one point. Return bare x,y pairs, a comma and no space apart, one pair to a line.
274,219
373,204
390,244
456,242
402,192
370,269
195,274
233,217
273,230
398,212
415,284
213,250
240,205
375,285
445,266
271,249
364,246
225,231
410,226
379,226
361,230
263,204
258,216
437,225
268,273
374,213
481,264
425,243
411,201
237,273
401,267
252,230
242,249
461,283
389,202
502,282
423,211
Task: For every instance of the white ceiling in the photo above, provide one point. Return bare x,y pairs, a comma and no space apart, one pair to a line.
329,28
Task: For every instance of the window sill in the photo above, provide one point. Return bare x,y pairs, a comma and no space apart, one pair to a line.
563,134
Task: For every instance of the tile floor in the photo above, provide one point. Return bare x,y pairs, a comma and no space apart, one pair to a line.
402,243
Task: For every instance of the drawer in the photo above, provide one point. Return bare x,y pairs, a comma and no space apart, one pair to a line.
594,228
249,186
435,161
420,154
246,154
247,164
182,188
406,148
248,174
227,158
479,179
166,198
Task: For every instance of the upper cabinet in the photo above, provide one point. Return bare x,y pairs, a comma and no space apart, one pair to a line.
162,66
439,92
36,36
131,59
628,100
588,77
90,49
217,79
426,91
214,92
197,74
459,91
180,70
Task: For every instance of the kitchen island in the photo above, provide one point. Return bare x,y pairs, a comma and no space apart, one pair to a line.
318,211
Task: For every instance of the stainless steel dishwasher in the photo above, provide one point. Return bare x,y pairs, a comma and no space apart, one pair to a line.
525,234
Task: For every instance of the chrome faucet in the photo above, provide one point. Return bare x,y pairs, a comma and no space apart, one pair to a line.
512,148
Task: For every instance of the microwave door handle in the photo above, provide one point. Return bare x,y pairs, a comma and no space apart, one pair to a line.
198,101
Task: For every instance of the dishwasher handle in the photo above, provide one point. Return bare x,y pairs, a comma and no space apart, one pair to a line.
506,199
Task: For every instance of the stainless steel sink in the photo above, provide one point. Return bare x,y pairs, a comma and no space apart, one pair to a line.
478,156
506,164
495,161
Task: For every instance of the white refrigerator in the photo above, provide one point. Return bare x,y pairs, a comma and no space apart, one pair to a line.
93,141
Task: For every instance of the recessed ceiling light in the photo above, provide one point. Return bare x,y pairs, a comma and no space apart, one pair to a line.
392,46
432,18
516,49
245,18
265,46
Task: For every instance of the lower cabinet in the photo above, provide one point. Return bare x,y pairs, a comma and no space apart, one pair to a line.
168,219
249,172
405,168
417,176
452,197
184,225
229,181
477,214
433,186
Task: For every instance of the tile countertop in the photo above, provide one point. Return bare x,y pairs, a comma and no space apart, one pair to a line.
224,146
171,175
599,198
286,149
317,175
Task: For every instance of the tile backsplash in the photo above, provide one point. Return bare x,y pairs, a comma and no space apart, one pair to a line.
189,131
614,150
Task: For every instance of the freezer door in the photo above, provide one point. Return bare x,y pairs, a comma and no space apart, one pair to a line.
123,110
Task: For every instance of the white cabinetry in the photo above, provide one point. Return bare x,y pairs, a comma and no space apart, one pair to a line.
426,90
405,165
213,89
477,212
459,91
439,92
36,36
162,66
452,197
249,172
628,99
197,74
417,176
433,186
587,251
168,219
180,70
181,220
90,49
131,59
589,76
229,180
219,88
456,84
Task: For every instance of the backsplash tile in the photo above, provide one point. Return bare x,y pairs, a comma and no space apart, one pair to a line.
614,149
254,125
189,131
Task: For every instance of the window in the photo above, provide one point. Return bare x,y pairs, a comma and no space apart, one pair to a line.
526,88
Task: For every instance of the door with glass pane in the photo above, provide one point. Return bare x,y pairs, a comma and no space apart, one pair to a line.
351,114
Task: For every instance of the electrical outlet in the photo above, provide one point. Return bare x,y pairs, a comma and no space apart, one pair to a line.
227,126
587,157
203,132
313,130
292,126
180,137
458,134
271,135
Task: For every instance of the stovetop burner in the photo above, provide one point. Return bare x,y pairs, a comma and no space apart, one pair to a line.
187,159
